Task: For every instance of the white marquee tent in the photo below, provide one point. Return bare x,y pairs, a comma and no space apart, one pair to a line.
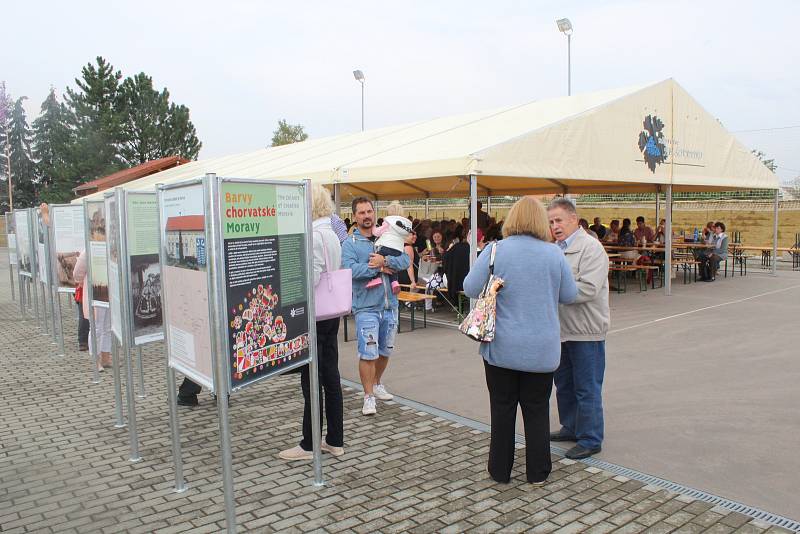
642,139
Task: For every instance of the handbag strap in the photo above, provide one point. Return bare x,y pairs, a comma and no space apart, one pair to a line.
491,271
324,251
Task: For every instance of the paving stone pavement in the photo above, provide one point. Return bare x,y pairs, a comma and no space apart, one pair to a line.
64,467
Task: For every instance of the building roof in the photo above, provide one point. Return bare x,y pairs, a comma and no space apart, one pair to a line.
186,223
628,140
126,175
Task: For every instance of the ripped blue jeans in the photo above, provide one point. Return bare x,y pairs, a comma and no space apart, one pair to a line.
376,331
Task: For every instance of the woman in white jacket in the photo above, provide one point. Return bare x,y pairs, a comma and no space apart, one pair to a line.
325,241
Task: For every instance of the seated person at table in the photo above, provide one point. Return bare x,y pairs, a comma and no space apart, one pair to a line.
585,225
661,232
627,239
708,233
643,233
598,229
612,235
710,262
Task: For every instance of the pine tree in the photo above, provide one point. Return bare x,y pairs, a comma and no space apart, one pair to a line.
94,115
52,142
19,148
152,128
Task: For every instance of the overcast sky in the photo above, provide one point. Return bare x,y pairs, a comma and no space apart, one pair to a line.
240,66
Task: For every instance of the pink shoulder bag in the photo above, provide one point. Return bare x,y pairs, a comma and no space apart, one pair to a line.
333,295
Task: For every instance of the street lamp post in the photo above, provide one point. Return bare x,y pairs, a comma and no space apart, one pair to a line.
359,76
565,27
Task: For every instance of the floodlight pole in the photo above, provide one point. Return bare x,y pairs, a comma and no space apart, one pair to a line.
569,64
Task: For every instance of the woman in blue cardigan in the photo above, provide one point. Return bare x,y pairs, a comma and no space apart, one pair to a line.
519,363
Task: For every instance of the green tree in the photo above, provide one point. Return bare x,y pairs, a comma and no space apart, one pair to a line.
769,163
94,116
17,145
287,134
152,127
52,143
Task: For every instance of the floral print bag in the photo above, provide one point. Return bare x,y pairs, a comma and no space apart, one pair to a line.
479,324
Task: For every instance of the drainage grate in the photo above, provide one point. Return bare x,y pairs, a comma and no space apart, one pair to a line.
733,506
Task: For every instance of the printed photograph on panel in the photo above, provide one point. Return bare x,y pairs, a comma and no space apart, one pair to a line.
146,294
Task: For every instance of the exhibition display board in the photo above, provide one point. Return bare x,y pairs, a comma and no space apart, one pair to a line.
143,270
264,242
68,243
11,238
185,280
96,224
22,226
112,265
43,273
239,295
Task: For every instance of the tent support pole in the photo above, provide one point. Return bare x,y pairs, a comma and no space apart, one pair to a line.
775,234
337,199
668,243
473,224
473,219
489,203
658,205
427,207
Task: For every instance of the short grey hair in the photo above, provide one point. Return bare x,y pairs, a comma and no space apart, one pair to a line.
563,203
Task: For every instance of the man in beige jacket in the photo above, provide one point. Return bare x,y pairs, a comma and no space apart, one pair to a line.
584,324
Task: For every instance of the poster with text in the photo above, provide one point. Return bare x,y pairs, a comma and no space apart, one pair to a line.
145,270
96,219
69,242
186,317
41,257
12,239
112,256
263,228
23,242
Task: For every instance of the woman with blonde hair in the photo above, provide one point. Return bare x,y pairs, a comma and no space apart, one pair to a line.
526,350
326,243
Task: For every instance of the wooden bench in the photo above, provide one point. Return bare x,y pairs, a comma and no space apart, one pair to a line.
641,275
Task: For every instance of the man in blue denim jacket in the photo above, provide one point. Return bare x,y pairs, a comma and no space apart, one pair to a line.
375,309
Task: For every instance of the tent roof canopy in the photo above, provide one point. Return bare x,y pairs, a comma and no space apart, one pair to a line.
619,141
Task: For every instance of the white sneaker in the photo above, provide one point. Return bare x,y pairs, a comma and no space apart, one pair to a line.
296,453
369,406
380,392
333,451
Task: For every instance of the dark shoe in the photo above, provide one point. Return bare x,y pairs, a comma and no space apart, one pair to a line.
559,436
83,347
578,453
187,400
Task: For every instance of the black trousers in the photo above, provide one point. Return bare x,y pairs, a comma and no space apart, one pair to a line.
531,391
330,395
189,389
83,326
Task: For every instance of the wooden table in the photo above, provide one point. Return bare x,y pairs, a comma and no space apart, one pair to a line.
766,253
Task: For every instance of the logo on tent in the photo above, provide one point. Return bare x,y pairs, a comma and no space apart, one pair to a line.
651,142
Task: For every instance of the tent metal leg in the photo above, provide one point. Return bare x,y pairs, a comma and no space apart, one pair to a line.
775,234
668,243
